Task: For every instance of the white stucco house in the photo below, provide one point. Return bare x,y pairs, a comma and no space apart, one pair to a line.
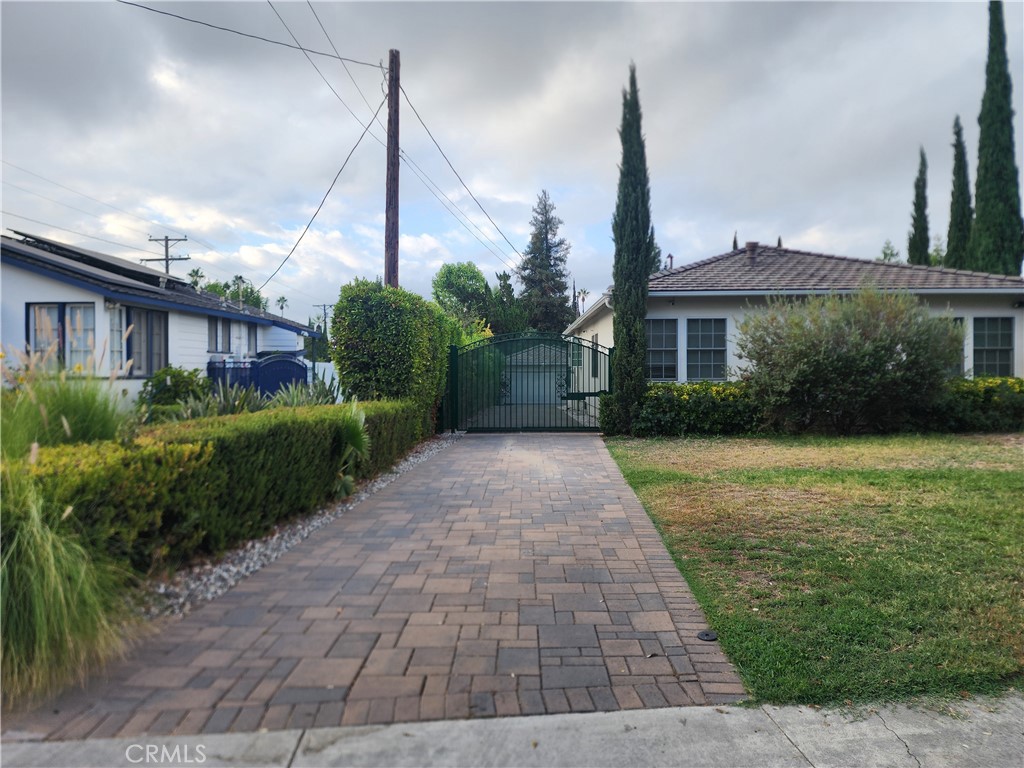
693,310
87,302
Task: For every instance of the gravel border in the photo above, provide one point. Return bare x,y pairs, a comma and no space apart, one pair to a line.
208,580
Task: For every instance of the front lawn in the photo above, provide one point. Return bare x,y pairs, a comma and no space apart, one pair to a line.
848,570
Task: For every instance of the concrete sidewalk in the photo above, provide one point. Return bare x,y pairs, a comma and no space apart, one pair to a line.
982,734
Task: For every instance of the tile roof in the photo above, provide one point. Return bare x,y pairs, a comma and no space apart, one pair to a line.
786,270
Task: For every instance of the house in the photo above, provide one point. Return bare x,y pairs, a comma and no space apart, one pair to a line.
693,311
88,301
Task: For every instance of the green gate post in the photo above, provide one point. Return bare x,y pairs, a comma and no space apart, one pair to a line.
453,386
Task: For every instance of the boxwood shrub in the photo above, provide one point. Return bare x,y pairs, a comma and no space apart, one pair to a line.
696,408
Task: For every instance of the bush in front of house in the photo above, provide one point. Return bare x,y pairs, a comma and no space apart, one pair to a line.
389,343
978,405
697,408
868,362
393,427
170,385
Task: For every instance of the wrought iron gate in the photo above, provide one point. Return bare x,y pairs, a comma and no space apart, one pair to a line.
521,382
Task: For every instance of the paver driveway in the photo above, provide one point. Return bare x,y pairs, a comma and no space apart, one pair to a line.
505,575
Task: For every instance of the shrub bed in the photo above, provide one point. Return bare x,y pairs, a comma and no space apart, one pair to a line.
979,405
393,427
697,408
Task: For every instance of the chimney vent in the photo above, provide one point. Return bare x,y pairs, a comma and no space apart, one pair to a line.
670,257
752,252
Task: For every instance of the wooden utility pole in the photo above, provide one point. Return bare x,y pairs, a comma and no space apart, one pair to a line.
167,258
391,193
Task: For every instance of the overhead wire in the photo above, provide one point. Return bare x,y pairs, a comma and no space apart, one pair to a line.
246,34
422,175
464,185
326,194
80,234
66,205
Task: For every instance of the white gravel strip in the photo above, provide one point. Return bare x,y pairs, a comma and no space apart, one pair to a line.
210,579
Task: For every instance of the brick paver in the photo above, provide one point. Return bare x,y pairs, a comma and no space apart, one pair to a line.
506,575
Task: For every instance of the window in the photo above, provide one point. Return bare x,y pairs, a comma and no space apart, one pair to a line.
662,350
68,328
146,345
218,334
117,339
251,335
993,346
705,350
576,353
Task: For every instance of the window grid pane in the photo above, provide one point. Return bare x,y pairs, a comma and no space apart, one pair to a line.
705,349
993,346
662,350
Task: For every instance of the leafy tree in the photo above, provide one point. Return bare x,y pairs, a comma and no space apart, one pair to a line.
960,214
238,289
997,237
543,272
507,314
461,290
871,362
937,254
890,255
917,243
634,251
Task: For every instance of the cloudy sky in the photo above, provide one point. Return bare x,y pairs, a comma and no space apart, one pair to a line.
801,120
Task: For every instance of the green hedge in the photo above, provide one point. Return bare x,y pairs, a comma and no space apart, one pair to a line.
728,408
390,343
205,485
697,408
979,405
393,427
139,506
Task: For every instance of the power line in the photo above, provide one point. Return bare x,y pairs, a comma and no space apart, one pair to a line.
67,205
322,76
317,211
422,175
80,234
246,34
409,102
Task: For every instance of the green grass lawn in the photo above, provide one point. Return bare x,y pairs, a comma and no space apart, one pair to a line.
848,570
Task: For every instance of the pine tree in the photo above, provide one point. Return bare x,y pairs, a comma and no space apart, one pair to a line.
634,245
543,272
997,237
960,214
917,243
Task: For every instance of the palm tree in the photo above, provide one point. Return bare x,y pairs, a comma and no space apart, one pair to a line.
195,276
582,294
281,302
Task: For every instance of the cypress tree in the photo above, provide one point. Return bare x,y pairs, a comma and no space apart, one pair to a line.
960,213
634,248
917,243
997,237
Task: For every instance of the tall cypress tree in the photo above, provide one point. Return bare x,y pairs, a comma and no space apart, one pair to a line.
997,237
917,243
634,252
960,212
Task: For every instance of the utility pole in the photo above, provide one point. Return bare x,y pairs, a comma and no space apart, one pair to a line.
167,258
391,192
326,319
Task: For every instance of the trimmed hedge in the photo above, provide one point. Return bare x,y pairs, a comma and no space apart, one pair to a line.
979,405
697,408
389,343
393,427
729,408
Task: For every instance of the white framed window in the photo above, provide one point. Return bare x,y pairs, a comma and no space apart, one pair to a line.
218,334
993,346
69,328
661,363
146,345
705,349
251,337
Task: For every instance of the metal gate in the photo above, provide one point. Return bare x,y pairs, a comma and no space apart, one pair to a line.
520,382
